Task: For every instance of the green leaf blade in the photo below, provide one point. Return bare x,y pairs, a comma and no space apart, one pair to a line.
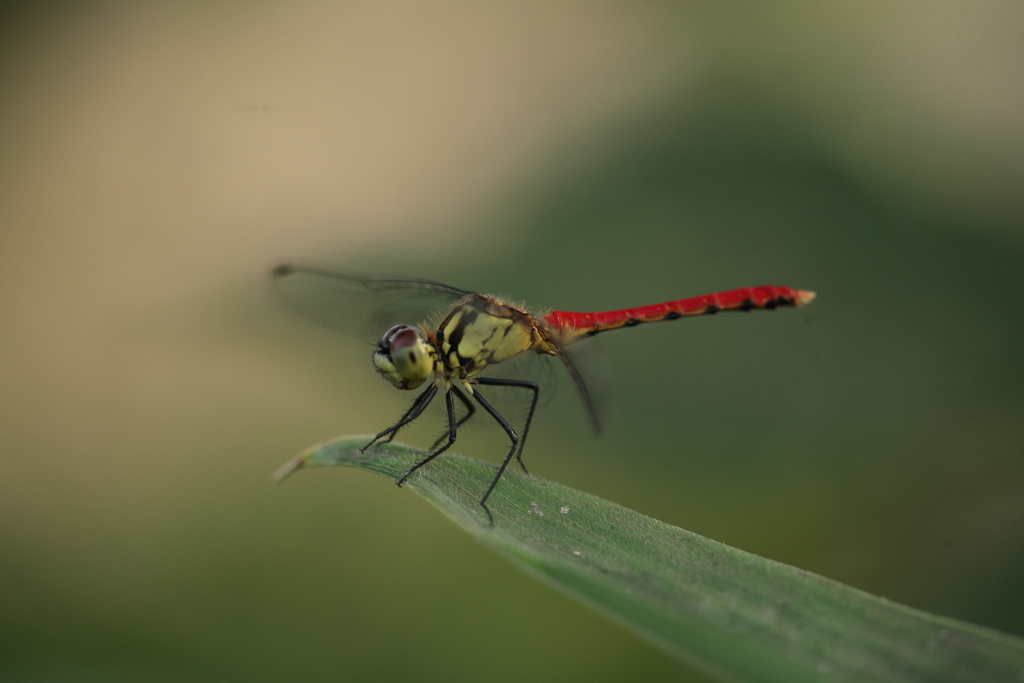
726,611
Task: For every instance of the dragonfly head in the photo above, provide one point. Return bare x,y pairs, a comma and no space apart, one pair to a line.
404,357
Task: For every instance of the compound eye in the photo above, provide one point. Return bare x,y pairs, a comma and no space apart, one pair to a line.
398,331
399,336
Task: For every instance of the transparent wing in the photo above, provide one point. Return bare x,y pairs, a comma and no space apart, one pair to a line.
363,306
544,370
572,365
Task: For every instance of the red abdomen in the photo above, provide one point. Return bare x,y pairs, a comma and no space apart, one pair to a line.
574,325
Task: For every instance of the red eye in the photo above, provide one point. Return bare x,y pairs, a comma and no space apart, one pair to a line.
400,337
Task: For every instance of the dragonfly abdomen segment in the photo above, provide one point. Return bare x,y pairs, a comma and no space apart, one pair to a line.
572,326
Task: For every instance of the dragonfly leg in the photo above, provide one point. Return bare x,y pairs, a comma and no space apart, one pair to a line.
515,445
532,386
450,401
402,421
422,401
470,410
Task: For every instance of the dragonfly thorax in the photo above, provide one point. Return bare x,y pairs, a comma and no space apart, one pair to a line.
404,357
482,331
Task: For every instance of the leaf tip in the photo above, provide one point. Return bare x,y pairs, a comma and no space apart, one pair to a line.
286,470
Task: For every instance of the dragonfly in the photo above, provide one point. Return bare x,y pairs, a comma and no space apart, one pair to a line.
443,339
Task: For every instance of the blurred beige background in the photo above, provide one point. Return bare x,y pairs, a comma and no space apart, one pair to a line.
157,160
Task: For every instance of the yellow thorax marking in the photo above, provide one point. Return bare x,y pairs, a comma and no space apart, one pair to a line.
480,332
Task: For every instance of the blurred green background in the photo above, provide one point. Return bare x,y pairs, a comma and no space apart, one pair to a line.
158,159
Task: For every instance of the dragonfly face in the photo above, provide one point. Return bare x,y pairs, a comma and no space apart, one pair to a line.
404,357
